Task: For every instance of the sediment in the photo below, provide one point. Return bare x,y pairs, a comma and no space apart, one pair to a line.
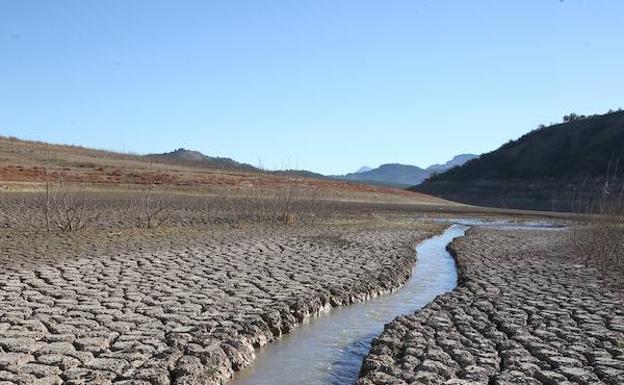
190,311
526,311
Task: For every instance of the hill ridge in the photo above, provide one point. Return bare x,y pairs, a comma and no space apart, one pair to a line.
539,170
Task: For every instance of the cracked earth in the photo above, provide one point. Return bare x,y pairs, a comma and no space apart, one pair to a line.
185,312
524,312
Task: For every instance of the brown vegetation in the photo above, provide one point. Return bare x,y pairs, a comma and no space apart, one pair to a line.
285,206
598,232
60,206
60,188
67,188
149,206
23,166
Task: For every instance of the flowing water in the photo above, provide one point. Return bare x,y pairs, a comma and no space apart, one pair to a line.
329,349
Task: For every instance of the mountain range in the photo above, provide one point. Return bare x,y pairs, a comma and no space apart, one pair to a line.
394,174
391,174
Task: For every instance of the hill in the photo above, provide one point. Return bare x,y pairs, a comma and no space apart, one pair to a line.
391,173
394,174
24,164
540,170
196,158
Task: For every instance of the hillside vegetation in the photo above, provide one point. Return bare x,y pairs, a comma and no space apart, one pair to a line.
26,165
540,170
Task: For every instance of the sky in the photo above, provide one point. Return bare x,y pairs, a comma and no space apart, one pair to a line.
322,85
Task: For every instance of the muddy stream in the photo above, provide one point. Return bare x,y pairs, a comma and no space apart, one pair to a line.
329,349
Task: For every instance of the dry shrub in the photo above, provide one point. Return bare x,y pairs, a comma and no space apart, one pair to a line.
598,231
290,204
15,212
62,206
150,207
67,206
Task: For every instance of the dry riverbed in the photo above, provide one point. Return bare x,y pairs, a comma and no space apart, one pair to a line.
183,305
525,312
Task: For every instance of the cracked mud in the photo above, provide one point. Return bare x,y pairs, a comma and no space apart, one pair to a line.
525,312
187,312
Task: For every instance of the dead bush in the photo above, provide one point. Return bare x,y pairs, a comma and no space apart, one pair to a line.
150,206
14,212
61,206
287,205
66,206
598,231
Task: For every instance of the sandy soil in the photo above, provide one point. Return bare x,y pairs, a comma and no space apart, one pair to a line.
180,305
525,312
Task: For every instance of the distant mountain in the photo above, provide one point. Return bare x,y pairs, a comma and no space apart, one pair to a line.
540,170
196,158
394,174
457,160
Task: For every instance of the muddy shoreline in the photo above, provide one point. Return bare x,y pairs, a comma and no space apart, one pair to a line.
162,313
526,311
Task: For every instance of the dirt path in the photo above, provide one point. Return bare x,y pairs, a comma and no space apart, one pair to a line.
523,313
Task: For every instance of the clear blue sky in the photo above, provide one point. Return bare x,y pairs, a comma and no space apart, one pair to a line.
327,86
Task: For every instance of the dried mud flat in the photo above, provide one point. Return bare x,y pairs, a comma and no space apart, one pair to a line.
524,312
189,311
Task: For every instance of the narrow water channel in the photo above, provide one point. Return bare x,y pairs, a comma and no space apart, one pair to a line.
329,349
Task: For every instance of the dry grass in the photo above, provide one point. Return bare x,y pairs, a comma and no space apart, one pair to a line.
61,206
598,231
65,207
149,206
293,204
68,188
23,165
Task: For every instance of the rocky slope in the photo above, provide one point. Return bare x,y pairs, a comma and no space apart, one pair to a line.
524,312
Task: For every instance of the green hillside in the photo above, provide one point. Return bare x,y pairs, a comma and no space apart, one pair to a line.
540,170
